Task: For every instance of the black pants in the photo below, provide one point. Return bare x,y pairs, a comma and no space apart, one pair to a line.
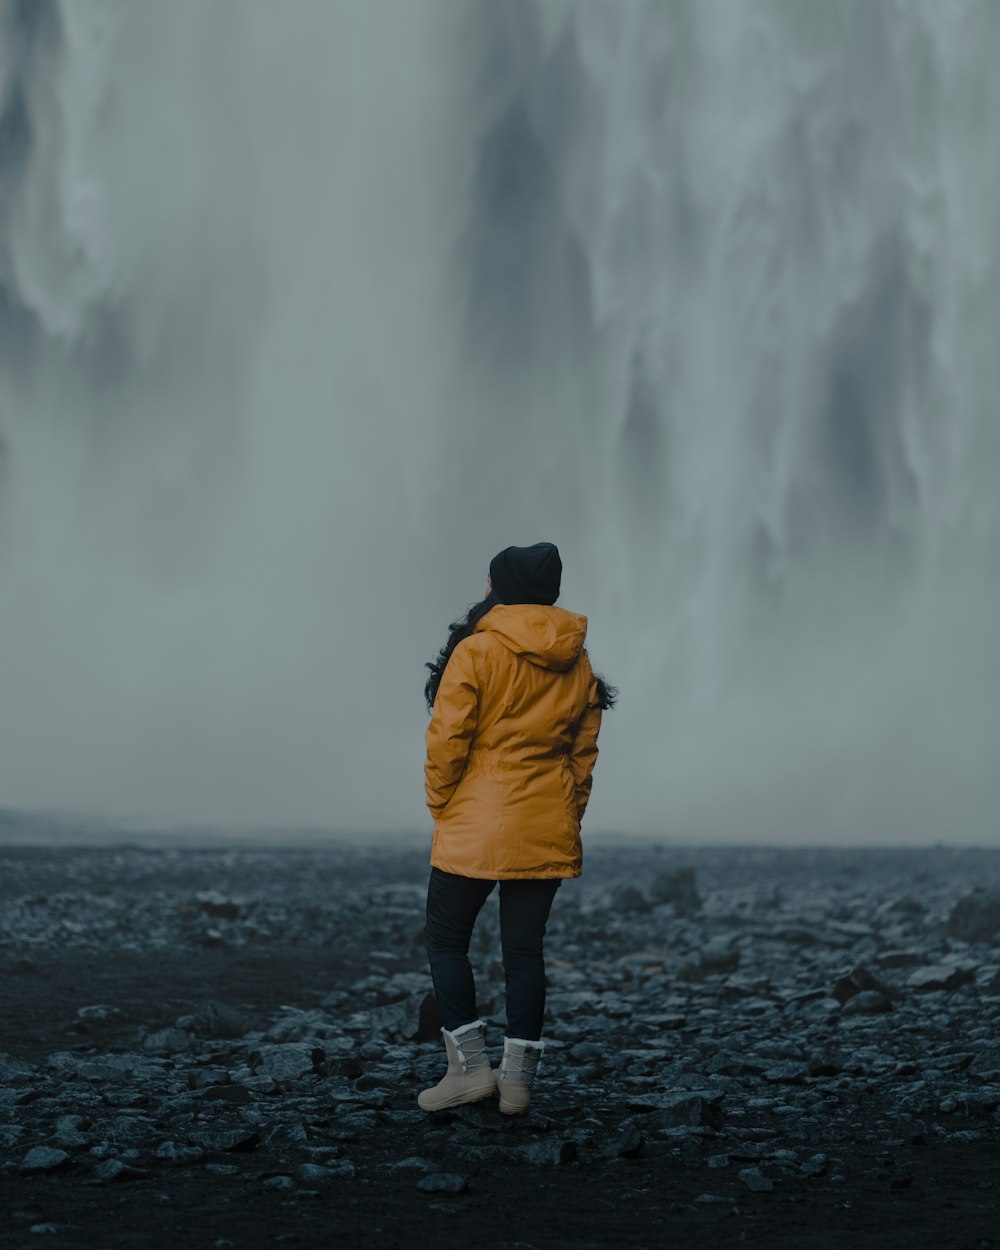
453,903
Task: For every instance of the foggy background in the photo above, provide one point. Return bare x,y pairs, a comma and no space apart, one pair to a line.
306,310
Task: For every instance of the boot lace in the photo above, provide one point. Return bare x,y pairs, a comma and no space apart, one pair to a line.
519,1064
471,1048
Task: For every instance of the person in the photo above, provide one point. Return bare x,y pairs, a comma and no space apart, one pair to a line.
511,747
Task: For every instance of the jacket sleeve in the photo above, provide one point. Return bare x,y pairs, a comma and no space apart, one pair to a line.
583,751
453,723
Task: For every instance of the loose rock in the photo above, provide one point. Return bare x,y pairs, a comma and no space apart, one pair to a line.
113,1171
43,1159
174,1152
286,1062
443,1183
550,1152
942,976
235,1139
217,1020
676,887
70,1131
629,1143
168,1042
975,918
867,1002
755,1180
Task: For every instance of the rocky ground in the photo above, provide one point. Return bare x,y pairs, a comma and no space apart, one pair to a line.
222,1048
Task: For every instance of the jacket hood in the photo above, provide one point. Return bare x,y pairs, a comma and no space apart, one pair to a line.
548,636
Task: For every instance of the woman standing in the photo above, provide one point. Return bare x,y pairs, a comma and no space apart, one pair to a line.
511,747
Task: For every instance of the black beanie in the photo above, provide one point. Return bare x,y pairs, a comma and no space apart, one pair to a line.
527,574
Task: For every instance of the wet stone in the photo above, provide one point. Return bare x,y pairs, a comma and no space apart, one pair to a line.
174,1152
678,888
255,1084
13,1070
815,1165
975,918
71,1131
313,1172
680,1109
722,958
233,1139
666,1020
297,1025
43,1159
227,1093
986,1064
867,1002
899,959
106,1067
281,1181
942,976
988,980
131,1130
629,1143
212,903
627,898
415,1162
286,1061
406,1020
217,1020
755,1180
791,1073
856,982
340,1167
550,1152
114,1171
443,1183
168,1042
97,1012
587,1052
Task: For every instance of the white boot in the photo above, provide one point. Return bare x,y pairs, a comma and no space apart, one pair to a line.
469,1077
517,1071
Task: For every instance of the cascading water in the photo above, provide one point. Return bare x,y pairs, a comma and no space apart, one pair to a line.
303,315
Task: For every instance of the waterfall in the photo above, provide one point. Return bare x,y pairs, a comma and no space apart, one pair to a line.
305,315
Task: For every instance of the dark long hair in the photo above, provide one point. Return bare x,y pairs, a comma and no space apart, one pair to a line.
606,694
458,630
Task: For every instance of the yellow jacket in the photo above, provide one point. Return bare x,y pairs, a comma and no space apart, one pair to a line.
511,746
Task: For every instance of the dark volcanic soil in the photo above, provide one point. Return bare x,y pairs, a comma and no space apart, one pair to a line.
223,1048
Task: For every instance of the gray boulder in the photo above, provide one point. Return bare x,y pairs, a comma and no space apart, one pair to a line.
677,887
975,918
858,980
680,1109
867,1002
286,1061
168,1042
43,1159
942,976
217,1020
443,1183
